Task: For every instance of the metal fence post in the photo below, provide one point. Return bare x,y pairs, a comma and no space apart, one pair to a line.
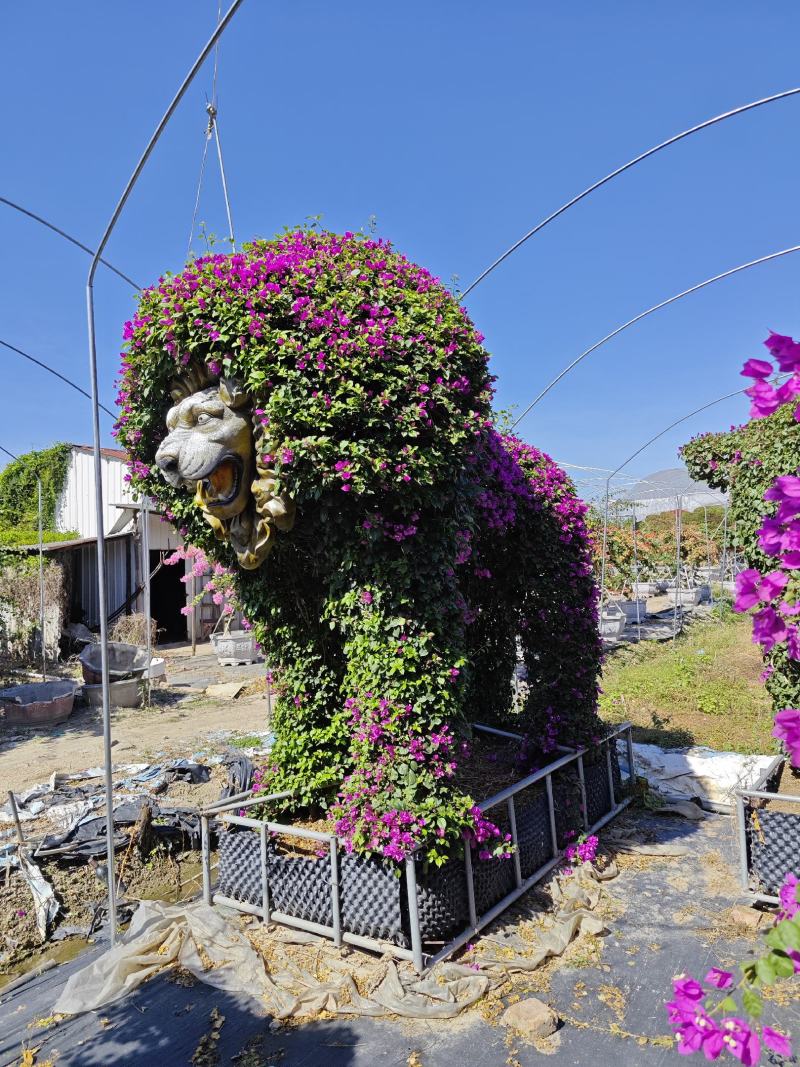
413,913
609,768
473,914
205,858
512,819
584,801
552,811
741,825
336,905
264,882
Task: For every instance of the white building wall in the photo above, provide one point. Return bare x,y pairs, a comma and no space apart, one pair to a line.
76,506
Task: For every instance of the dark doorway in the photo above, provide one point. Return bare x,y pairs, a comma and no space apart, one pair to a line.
167,597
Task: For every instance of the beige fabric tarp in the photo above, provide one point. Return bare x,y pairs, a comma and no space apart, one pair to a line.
302,975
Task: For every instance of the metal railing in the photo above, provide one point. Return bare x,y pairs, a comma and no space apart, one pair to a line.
743,798
422,961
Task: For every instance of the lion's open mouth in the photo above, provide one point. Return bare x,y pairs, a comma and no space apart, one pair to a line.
220,486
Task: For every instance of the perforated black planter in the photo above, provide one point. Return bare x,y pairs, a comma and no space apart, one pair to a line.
369,902
769,839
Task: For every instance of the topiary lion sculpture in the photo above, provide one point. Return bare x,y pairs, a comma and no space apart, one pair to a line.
314,412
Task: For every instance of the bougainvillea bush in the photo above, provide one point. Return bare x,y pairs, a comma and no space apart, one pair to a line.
760,464
425,543
757,465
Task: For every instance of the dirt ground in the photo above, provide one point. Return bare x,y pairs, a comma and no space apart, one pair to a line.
181,720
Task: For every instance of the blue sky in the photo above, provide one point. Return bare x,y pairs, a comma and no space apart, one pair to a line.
458,126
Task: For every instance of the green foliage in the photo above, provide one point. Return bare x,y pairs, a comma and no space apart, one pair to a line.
746,462
19,506
702,689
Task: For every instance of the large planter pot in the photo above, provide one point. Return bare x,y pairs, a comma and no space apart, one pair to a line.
769,838
688,598
238,646
37,704
124,661
124,694
612,623
373,892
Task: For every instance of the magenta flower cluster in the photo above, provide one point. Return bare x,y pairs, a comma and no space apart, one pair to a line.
584,850
699,1031
774,596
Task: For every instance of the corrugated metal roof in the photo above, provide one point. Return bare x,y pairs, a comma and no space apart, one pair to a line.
106,453
78,542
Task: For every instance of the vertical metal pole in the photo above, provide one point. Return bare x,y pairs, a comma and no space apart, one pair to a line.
610,770
12,801
512,819
741,826
584,801
101,563
629,746
413,913
677,566
193,614
552,812
708,555
724,566
102,601
605,546
205,858
636,582
145,515
264,881
41,585
473,914
335,894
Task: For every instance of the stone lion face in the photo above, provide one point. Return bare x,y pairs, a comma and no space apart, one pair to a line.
211,449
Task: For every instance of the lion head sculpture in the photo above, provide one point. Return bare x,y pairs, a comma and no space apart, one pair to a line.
210,448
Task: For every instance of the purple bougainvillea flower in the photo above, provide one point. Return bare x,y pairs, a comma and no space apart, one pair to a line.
764,399
687,988
773,584
771,537
740,1041
769,629
747,589
785,350
786,490
788,896
776,1041
787,729
757,368
719,979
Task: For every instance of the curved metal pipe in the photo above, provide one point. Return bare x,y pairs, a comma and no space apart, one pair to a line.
620,170
67,237
98,481
643,315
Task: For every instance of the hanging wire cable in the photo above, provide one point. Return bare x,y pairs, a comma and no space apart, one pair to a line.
206,139
620,170
67,237
212,130
57,374
643,315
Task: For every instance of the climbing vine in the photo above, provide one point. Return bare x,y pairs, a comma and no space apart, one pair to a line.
19,505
